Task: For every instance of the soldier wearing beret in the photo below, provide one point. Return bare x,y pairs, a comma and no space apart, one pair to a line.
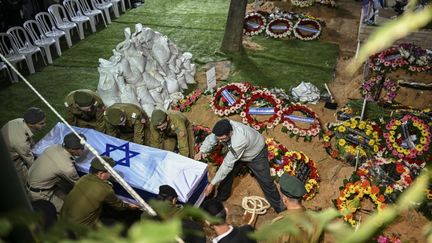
83,205
53,174
171,130
128,122
85,108
18,136
293,190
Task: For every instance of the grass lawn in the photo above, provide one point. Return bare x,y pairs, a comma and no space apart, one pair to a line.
195,26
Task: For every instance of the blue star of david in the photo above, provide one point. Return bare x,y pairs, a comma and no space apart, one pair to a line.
125,161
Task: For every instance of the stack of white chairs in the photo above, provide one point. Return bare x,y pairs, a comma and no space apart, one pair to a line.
103,6
10,52
39,38
62,21
46,23
91,13
76,14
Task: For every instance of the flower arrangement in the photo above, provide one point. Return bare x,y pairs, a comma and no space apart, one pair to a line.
224,101
387,173
295,163
307,29
302,3
254,24
354,135
351,195
407,137
387,60
289,125
334,153
185,104
388,239
217,155
279,28
269,103
370,88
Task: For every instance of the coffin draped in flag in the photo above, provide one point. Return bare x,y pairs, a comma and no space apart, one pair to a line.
144,168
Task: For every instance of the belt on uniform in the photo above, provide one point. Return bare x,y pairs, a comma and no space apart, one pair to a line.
37,189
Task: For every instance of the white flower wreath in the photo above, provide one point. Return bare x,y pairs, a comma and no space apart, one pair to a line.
270,33
298,26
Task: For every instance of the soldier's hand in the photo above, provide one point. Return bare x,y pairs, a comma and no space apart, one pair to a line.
133,206
208,190
200,156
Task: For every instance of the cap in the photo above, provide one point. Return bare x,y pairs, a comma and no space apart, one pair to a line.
291,186
82,98
158,117
72,141
114,115
222,127
96,164
167,191
33,115
215,208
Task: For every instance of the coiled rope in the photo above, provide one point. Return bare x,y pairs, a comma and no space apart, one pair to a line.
256,205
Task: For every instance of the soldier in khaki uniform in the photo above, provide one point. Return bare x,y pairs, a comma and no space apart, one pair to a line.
128,122
18,136
171,130
85,108
83,205
293,191
53,174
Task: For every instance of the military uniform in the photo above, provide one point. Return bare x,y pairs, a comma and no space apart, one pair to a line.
19,141
135,127
179,134
53,167
89,119
83,205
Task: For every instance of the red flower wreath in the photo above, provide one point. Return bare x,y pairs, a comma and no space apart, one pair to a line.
307,29
279,28
290,126
254,24
247,118
226,108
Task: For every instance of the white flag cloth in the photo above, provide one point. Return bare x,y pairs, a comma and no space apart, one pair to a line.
144,168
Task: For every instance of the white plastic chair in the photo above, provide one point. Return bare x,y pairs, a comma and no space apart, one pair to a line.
3,66
62,21
77,16
10,51
91,13
46,23
21,39
39,38
115,7
104,6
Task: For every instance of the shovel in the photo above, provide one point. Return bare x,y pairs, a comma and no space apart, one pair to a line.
332,105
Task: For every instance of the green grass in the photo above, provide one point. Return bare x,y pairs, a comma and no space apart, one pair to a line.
196,27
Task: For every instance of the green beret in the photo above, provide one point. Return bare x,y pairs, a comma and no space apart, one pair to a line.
291,186
96,164
158,117
114,115
82,98
33,115
72,141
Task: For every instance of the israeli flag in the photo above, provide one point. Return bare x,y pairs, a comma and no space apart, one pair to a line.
144,168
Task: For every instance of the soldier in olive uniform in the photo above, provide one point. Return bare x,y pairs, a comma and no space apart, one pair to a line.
83,205
170,131
18,137
128,122
293,191
53,174
85,108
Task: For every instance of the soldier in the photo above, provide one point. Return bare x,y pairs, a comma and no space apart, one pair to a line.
53,174
83,205
85,108
128,122
172,131
18,136
293,190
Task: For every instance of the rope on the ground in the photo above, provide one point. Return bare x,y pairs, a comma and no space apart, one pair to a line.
255,205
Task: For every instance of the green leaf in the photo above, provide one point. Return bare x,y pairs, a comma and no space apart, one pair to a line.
148,231
5,226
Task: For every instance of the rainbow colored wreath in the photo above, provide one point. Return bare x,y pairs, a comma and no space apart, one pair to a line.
254,24
351,194
400,141
185,104
289,125
224,103
274,110
398,178
279,28
387,60
281,161
307,29
369,88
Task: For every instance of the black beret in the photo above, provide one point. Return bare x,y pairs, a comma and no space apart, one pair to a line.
167,191
222,127
33,115
72,141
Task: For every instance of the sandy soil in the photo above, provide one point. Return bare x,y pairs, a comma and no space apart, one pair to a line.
341,28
